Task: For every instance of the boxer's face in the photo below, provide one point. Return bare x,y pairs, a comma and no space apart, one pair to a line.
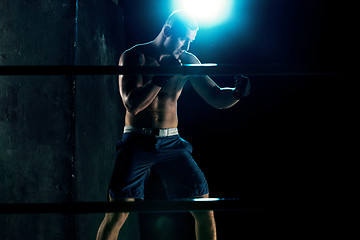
178,40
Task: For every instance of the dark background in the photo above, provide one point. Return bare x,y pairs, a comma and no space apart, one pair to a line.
288,146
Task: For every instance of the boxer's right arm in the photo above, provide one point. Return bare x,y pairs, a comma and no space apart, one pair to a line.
136,94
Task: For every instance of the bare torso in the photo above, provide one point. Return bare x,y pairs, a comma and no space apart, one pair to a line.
162,111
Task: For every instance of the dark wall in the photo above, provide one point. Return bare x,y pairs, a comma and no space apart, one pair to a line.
99,110
36,123
57,133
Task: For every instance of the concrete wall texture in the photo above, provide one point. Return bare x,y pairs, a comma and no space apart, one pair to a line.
57,133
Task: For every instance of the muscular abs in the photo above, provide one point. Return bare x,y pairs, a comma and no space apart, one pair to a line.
162,112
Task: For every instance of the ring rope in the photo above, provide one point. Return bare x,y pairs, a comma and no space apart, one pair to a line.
185,70
186,205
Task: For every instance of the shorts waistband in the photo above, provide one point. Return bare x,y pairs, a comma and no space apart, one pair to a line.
158,132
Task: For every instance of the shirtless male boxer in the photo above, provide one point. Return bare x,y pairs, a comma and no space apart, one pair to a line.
150,141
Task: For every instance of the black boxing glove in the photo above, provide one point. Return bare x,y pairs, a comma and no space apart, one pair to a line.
242,87
165,61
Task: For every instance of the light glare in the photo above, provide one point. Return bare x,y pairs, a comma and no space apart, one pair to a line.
207,12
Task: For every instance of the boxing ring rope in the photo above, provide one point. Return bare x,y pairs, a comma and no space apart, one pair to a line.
219,204
210,69
185,205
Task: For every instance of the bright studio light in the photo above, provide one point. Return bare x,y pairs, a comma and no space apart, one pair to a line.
207,12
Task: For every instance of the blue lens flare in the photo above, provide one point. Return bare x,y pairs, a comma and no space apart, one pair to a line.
207,12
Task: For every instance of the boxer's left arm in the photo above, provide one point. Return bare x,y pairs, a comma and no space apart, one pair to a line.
217,97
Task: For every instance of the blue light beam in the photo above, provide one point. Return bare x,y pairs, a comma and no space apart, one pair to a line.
207,12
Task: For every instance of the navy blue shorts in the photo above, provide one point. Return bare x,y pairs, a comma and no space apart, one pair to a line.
170,157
